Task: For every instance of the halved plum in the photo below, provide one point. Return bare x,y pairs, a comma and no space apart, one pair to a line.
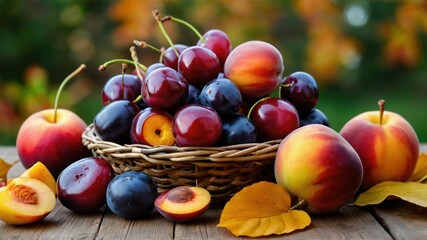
183,203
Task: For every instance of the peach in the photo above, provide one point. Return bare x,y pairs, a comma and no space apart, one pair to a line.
318,166
40,172
25,200
183,203
386,143
256,67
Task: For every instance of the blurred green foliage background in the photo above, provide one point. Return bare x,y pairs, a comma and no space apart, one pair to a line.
359,51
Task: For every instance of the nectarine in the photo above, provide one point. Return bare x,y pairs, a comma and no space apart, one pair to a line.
319,166
52,136
56,144
386,143
256,68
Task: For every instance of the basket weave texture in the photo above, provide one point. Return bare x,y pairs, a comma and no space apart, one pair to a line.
223,171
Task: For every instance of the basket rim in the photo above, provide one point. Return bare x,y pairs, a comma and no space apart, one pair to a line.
234,153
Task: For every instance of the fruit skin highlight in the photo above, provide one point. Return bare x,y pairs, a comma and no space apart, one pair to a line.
319,166
256,68
25,200
387,145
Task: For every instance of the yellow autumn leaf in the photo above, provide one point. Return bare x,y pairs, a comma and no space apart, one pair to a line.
262,209
420,171
4,168
413,192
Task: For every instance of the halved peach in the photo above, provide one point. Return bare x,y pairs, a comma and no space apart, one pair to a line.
40,172
25,200
183,203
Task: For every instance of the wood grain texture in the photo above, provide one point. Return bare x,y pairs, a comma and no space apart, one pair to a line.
402,220
59,224
390,220
154,226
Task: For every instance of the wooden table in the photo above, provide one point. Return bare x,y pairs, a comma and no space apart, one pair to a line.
390,220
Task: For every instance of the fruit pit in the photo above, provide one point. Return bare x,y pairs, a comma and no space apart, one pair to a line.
24,194
180,195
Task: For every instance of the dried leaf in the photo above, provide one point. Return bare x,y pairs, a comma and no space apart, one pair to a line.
262,209
413,192
4,168
420,171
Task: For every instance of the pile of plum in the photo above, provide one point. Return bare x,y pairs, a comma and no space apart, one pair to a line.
206,94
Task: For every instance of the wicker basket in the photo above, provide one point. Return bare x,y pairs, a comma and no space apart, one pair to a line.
223,171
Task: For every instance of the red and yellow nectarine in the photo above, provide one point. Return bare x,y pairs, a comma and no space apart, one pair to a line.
256,68
55,144
52,136
386,143
319,166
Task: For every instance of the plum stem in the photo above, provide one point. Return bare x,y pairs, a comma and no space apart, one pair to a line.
135,61
137,99
252,107
58,93
143,44
162,28
167,18
301,202
162,49
106,64
124,68
381,104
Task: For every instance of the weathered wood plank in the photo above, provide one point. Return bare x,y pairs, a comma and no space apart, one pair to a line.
403,220
153,227
348,223
59,224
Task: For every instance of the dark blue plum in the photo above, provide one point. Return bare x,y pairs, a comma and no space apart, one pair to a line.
131,195
237,129
113,122
222,95
313,117
193,95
